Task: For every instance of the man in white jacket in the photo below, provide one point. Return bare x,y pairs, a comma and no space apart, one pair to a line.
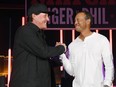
87,53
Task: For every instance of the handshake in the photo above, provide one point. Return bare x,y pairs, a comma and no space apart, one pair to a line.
63,44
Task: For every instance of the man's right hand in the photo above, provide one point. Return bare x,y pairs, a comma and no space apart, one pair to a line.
59,43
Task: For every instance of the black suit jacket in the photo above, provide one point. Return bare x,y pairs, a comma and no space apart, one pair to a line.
31,67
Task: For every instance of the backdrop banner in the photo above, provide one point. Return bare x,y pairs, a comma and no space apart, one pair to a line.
103,12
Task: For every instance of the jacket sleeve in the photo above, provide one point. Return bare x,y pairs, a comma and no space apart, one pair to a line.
33,43
108,62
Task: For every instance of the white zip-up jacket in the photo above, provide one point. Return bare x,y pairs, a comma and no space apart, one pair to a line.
86,60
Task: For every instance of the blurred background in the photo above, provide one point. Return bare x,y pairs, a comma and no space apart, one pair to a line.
12,13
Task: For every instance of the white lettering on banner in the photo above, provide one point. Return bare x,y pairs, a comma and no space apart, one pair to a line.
65,15
99,15
62,16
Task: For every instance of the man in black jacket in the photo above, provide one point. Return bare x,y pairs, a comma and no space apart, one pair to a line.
31,54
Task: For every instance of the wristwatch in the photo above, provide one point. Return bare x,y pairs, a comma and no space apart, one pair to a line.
106,86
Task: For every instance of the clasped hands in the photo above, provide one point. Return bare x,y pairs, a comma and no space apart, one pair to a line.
63,44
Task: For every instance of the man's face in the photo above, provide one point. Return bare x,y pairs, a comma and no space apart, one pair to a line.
80,22
41,20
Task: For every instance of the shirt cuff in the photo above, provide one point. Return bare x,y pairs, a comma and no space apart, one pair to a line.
107,83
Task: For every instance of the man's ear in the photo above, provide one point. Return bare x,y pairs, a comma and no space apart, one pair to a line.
33,15
88,21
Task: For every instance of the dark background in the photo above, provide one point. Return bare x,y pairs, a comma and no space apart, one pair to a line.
11,12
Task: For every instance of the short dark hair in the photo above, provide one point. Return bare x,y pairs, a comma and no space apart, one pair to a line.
88,15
